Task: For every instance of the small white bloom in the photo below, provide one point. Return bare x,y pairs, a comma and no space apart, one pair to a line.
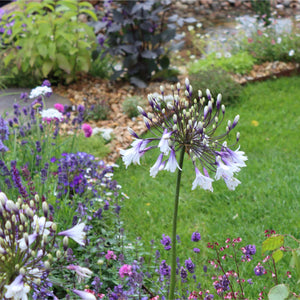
191,27
232,183
40,225
291,52
157,166
132,155
224,171
39,91
279,40
164,142
227,55
203,181
51,113
199,25
17,289
81,272
172,164
76,233
218,55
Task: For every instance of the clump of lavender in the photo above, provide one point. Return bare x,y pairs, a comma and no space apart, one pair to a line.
189,126
28,247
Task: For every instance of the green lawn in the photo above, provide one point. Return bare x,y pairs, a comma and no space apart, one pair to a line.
268,198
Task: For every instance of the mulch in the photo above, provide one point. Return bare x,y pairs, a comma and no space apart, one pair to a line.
94,90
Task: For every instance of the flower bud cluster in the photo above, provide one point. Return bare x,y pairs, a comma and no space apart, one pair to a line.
27,240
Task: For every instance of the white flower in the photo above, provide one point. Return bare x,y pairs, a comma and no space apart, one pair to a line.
106,133
40,91
237,157
291,52
279,40
172,164
76,233
85,295
203,181
218,55
51,113
157,166
17,290
132,155
224,171
22,243
191,27
199,25
232,183
40,225
82,272
227,54
164,142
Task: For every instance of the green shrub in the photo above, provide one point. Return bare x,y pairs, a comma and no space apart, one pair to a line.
47,40
241,62
130,106
217,81
98,111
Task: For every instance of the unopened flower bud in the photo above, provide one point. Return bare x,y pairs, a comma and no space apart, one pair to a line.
37,281
178,86
172,87
54,227
65,242
100,262
8,225
22,271
33,253
208,94
162,88
11,206
3,198
199,94
21,228
31,203
186,93
223,109
47,264
191,89
235,121
229,124
45,208
187,82
58,254
37,198
237,136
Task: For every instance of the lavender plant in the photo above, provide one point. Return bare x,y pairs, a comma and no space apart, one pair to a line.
188,126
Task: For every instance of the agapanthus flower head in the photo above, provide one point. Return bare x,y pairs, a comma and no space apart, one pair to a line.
189,124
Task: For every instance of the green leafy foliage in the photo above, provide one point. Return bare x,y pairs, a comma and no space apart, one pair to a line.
47,40
241,62
272,243
137,32
217,81
278,292
263,9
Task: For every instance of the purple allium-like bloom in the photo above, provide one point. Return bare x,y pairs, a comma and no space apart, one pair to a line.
259,270
166,241
189,124
196,237
196,250
190,265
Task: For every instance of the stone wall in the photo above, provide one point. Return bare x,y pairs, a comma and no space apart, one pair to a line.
219,8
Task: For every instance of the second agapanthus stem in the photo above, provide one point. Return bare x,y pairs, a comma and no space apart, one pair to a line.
173,253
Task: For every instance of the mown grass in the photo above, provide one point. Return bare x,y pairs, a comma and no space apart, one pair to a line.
268,197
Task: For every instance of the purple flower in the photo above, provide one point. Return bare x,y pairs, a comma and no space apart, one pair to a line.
125,270
259,270
196,237
183,273
250,281
189,265
164,269
46,83
76,233
87,129
222,285
196,250
166,241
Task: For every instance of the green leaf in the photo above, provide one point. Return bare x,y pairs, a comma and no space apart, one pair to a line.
277,255
42,49
84,62
47,67
85,4
295,262
272,243
90,13
63,63
278,292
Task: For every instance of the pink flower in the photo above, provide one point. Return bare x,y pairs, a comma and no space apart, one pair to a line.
87,129
273,42
110,255
125,270
59,107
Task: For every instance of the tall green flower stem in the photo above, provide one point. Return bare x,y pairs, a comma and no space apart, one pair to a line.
174,240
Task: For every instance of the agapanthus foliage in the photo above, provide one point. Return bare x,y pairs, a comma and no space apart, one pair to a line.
192,125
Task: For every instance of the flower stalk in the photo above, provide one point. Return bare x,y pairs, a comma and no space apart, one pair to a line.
174,229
